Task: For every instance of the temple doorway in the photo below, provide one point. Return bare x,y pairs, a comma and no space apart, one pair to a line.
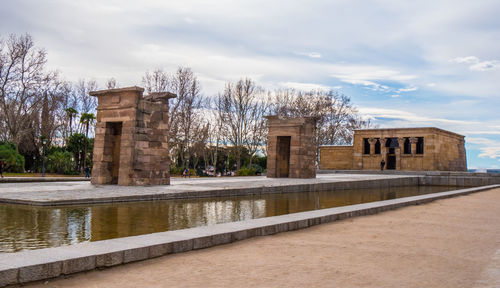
391,162
391,144
283,156
115,133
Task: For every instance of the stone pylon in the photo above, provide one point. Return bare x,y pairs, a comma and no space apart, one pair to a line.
131,137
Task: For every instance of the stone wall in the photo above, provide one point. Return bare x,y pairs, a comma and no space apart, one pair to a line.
336,157
302,150
131,138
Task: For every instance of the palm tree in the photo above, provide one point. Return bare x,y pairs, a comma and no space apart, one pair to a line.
87,119
71,114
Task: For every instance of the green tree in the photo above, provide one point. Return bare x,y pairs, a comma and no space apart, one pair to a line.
75,144
60,162
71,114
86,119
14,162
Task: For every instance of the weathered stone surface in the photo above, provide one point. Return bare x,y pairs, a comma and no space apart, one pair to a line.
109,259
39,272
8,276
442,151
131,138
79,264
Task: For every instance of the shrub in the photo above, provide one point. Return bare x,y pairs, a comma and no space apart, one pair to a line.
192,172
13,161
174,170
258,169
246,172
60,162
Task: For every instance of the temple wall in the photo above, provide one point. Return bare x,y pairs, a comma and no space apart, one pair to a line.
442,151
336,157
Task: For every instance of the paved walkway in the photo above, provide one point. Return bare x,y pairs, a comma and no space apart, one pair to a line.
448,243
68,191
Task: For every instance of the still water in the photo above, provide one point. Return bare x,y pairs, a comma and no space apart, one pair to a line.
29,227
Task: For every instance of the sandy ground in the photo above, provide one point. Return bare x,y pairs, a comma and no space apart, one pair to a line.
447,243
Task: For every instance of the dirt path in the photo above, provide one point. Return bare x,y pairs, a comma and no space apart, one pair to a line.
447,243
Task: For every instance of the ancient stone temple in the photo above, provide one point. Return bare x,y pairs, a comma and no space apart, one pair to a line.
410,149
131,137
290,147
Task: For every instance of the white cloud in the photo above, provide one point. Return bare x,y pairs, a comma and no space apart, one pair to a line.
484,132
466,60
476,64
310,54
489,148
369,76
308,86
412,119
485,66
372,85
408,89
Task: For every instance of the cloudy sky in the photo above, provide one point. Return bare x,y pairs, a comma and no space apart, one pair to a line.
403,63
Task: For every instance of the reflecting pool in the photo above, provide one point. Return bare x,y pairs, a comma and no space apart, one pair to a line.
31,227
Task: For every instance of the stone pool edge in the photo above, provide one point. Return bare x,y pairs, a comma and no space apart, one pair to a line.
236,191
35,265
457,179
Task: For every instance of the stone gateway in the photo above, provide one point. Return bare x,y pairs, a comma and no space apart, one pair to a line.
290,148
131,137
408,149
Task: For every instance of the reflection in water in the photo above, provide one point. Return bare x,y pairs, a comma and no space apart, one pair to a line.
28,227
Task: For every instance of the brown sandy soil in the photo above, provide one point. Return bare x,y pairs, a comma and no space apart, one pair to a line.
447,243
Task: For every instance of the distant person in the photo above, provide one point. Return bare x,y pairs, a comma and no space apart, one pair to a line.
1,168
382,165
185,173
87,172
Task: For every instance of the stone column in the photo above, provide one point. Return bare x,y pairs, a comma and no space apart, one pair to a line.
401,142
383,150
413,142
372,142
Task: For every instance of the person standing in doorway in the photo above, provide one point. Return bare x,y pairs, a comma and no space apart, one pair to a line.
1,168
382,165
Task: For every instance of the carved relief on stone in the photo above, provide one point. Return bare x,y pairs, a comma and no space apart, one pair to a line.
401,141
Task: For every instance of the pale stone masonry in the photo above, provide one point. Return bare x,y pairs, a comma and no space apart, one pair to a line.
290,147
131,137
407,149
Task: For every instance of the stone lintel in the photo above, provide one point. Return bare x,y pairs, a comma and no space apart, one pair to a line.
160,96
116,90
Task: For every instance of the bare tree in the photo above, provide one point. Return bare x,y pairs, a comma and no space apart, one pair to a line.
111,84
187,117
216,128
156,81
86,103
239,113
257,128
198,145
21,75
